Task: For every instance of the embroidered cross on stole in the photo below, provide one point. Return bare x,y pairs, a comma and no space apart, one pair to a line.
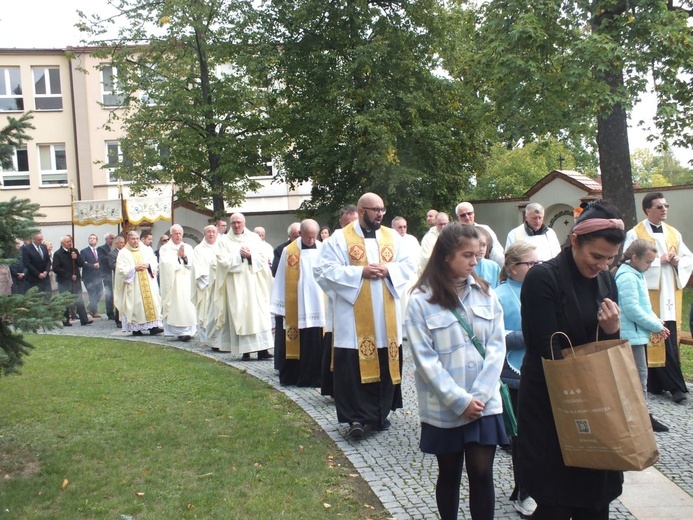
145,288
292,274
363,309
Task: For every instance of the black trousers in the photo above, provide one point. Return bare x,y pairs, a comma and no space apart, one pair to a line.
76,289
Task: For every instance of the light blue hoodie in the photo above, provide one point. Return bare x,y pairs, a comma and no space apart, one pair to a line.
637,317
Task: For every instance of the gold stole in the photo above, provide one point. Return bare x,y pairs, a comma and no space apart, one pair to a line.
363,309
672,247
291,276
145,288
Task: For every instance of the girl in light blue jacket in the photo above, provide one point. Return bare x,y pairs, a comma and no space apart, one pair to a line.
637,317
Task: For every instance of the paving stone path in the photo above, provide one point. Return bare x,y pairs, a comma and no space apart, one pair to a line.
400,475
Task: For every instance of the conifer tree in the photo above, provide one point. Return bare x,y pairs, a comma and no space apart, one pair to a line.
32,311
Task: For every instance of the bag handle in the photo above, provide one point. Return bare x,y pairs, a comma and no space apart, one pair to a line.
468,330
566,337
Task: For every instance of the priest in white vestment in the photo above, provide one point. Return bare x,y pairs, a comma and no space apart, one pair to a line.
429,240
135,290
366,269
268,249
666,278
412,245
534,231
242,288
203,260
177,309
298,303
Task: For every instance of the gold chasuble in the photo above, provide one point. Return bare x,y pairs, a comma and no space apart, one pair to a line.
292,274
672,247
363,309
145,288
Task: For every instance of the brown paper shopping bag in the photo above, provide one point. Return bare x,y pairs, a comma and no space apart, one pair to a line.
656,351
599,407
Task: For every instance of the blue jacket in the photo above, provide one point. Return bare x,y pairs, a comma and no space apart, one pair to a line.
637,317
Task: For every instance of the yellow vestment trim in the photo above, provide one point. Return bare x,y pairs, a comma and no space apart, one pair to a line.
292,274
145,288
363,309
672,247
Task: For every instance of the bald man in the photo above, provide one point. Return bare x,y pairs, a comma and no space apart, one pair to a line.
429,240
298,304
365,269
175,273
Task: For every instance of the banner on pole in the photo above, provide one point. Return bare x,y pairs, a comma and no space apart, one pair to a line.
97,212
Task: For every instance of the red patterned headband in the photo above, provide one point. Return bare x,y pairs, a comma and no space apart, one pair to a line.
597,224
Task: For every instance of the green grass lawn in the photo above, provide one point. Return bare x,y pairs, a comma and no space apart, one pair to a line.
100,428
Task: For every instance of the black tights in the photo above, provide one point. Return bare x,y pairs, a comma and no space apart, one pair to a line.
482,496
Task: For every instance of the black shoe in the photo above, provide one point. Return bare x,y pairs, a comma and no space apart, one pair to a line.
385,425
155,331
263,354
245,357
355,431
678,396
119,324
184,338
658,426
111,317
88,322
67,324
137,333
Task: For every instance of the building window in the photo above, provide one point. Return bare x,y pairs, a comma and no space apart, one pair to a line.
114,157
19,175
47,88
109,84
53,164
11,99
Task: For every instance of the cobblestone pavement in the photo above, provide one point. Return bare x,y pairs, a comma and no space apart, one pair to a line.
401,476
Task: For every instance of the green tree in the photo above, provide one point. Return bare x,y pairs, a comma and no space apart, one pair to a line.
510,172
362,109
651,170
573,69
26,312
190,107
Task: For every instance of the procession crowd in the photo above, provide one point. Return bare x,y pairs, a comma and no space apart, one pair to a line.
335,308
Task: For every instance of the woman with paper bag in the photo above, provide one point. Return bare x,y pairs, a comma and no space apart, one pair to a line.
573,293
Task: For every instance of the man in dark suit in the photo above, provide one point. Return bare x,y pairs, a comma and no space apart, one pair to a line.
18,272
37,262
66,264
91,274
106,273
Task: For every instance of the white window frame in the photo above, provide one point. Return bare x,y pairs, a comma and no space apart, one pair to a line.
49,94
110,165
117,100
5,71
52,176
16,174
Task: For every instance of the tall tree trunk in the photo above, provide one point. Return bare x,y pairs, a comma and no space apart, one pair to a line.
612,123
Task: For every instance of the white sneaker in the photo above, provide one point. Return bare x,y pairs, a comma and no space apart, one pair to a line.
525,507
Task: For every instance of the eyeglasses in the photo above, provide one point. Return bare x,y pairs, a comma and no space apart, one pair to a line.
382,211
661,207
468,214
528,264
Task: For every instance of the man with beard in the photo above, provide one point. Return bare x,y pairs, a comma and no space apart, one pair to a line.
666,279
177,309
365,269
